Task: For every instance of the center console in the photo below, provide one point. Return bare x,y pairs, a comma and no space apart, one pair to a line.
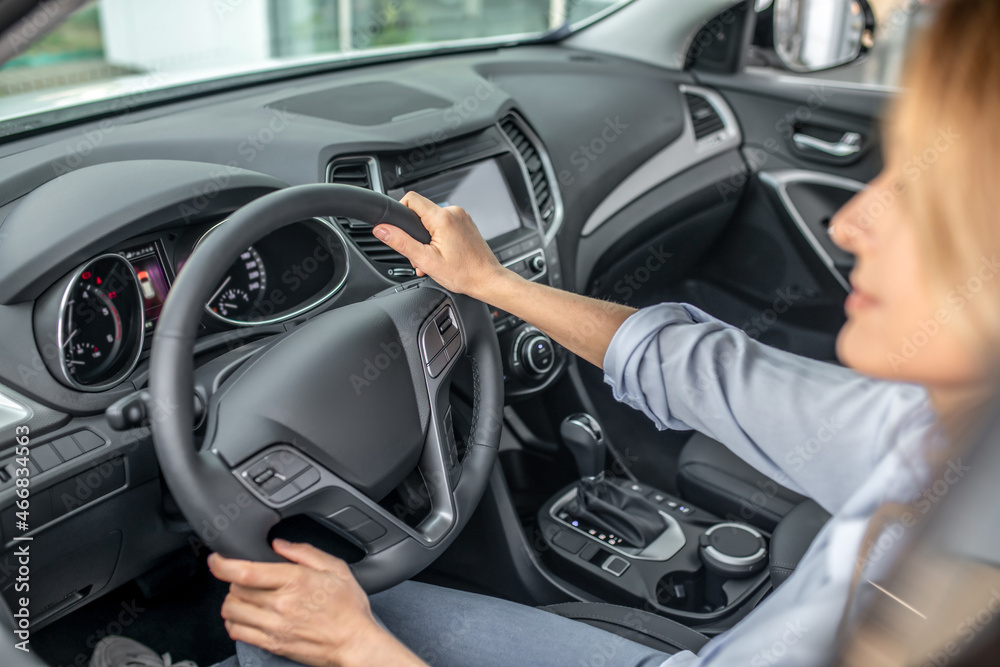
638,546
503,178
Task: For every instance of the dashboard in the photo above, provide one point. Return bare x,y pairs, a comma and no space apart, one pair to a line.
97,221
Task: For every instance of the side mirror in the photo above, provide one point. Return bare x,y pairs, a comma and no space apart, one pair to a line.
813,35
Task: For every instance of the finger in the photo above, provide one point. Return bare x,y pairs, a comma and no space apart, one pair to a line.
271,576
256,637
240,611
310,556
419,204
401,242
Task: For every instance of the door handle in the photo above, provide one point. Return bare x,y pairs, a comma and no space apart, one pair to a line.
849,144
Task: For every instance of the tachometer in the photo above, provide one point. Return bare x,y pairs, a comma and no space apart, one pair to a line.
99,331
242,290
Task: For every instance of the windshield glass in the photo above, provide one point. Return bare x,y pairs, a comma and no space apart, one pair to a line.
117,48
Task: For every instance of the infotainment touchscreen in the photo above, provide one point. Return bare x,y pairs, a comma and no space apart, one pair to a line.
480,189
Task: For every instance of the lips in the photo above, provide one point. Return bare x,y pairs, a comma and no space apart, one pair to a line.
858,299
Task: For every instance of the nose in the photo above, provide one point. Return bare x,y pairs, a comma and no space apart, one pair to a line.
853,225
845,227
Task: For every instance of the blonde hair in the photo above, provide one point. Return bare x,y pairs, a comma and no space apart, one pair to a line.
944,145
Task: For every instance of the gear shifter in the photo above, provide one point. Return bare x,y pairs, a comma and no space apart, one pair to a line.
609,508
584,438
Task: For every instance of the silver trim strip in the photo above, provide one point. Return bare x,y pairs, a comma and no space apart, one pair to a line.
662,548
550,174
12,412
779,182
118,378
303,309
684,153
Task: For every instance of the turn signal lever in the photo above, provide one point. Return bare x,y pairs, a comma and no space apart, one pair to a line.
584,438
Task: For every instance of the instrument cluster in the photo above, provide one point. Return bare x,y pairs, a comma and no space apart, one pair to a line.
95,325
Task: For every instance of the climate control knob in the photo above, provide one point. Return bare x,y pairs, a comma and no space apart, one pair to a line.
534,354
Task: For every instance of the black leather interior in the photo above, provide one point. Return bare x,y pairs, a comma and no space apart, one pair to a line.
792,538
711,476
640,626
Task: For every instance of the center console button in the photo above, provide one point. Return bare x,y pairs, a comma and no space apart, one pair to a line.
616,565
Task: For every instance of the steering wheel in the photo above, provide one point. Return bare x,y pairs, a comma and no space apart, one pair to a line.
330,417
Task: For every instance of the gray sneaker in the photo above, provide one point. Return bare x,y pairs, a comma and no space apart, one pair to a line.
123,652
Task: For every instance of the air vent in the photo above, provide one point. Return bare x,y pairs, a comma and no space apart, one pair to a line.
705,118
513,128
362,172
351,172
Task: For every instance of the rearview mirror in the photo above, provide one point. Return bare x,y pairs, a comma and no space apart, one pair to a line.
812,35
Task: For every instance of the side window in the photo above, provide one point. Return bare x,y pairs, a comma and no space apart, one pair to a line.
896,22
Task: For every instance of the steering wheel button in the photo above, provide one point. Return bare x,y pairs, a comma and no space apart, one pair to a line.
368,532
273,484
431,342
263,477
286,464
306,479
349,518
453,347
287,492
438,363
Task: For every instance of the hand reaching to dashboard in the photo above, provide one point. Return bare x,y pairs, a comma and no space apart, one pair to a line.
461,261
311,610
457,258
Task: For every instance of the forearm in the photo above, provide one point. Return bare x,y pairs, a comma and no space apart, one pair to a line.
583,325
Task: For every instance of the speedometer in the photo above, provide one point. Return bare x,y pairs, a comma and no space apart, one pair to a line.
242,290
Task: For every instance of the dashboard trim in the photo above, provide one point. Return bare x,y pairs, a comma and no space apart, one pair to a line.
12,412
121,376
304,309
685,152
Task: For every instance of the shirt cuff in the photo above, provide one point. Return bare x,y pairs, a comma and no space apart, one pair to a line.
625,351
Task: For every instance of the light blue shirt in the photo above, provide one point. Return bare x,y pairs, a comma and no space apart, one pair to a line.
849,442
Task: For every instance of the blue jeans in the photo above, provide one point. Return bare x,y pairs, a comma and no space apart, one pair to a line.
448,628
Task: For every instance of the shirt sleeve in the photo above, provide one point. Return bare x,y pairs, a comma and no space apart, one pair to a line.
814,427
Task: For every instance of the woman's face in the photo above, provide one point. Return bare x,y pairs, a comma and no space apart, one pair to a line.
896,329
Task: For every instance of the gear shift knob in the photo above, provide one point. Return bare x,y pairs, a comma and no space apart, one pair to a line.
583,435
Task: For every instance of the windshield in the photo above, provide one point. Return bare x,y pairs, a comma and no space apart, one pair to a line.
123,48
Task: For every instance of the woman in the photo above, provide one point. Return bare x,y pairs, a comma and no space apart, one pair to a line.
923,319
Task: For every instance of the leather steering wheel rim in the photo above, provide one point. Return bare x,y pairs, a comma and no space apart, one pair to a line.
248,428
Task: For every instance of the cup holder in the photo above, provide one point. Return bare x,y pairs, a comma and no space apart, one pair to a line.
698,592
